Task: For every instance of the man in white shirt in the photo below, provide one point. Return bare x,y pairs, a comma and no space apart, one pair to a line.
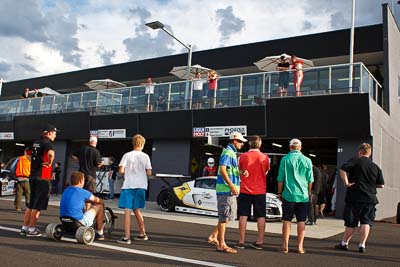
136,167
198,90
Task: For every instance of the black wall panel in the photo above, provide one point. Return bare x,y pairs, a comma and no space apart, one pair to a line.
319,116
6,126
170,125
72,125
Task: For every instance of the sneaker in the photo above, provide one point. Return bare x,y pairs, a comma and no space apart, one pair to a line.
239,245
35,232
310,223
361,249
23,232
18,209
256,246
141,237
123,240
341,247
99,236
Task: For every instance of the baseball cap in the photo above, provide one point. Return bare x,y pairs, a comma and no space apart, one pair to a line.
237,136
50,128
210,161
93,139
295,142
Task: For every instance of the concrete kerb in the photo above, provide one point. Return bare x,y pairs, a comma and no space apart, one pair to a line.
325,228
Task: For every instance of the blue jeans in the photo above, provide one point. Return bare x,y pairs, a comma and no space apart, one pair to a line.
111,188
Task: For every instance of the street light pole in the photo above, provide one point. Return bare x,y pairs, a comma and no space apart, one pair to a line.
353,11
158,25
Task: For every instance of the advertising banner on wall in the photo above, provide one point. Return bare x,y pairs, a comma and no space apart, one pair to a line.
218,131
6,135
111,133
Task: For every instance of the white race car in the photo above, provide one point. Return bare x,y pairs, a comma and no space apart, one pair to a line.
7,184
198,196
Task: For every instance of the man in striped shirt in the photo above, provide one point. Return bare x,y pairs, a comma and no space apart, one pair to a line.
228,184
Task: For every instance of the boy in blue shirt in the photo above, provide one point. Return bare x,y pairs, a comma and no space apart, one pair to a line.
73,202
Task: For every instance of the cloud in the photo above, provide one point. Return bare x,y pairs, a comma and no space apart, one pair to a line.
55,29
143,45
27,67
229,23
307,25
4,67
106,55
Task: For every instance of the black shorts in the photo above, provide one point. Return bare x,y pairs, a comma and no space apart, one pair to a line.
321,199
246,201
358,212
40,190
289,209
90,183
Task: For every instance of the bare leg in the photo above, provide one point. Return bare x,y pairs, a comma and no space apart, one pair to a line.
140,221
27,216
242,228
285,234
364,233
321,208
348,234
33,218
127,224
301,231
99,209
213,237
261,230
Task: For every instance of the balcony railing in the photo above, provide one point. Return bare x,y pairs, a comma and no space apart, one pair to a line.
233,91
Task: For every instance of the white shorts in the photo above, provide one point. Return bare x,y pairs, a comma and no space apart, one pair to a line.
88,217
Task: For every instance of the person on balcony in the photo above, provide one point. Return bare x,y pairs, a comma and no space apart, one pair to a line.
212,88
283,66
149,91
197,90
298,75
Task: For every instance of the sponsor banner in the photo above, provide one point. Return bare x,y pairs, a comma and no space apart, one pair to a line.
6,135
198,132
225,131
111,133
93,133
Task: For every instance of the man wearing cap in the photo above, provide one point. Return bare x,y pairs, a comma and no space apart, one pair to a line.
295,180
39,180
227,188
89,159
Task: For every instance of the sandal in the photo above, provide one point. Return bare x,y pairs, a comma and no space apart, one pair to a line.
284,250
213,242
227,250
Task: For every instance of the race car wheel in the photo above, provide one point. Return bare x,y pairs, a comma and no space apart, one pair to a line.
109,221
54,231
85,235
398,213
166,200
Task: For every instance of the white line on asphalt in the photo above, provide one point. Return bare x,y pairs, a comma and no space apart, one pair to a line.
135,251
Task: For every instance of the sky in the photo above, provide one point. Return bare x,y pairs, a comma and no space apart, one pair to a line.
44,37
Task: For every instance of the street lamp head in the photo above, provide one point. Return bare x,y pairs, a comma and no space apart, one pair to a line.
155,25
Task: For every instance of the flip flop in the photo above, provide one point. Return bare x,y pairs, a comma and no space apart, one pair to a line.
213,242
227,250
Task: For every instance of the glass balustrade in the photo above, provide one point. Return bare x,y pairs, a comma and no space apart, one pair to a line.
233,91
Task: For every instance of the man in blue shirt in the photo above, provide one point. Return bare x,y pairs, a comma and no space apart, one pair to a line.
73,202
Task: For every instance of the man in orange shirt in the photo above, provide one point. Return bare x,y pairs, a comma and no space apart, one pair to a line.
253,187
22,172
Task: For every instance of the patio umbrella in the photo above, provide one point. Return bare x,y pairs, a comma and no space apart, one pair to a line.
104,84
181,71
48,91
269,63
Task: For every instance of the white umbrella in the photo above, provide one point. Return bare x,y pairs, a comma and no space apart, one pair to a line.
48,91
181,71
270,63
104,84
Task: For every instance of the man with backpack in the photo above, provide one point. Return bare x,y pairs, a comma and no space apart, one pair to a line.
22,170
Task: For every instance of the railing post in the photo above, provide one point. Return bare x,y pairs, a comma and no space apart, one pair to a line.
169,96
361,80
263,86
240,90
330,80
269,85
